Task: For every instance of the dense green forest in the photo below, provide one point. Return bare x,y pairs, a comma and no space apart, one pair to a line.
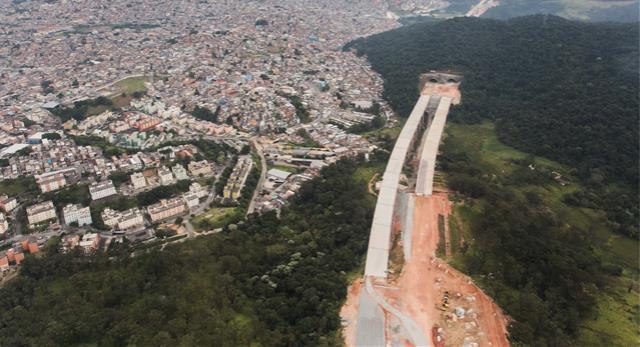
553,267
263,282
560,89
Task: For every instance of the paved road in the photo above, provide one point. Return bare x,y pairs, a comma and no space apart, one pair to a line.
263,177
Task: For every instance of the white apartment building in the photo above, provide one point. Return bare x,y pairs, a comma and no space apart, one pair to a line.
100,190
166,177
131,218
180,172
138,181
77,213
50,182
191,199
4,225
110,217
41,212
123,220
197,189
7,204
166,209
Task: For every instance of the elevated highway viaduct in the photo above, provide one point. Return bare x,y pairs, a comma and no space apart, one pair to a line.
415,151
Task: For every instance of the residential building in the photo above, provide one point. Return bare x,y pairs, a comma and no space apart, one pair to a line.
180,172
131,218
123,220
40,213
4,225
70,242
166,177
7,204
110,217
197,189
191,199
238,177
78,214
138,181
166,209
50,182
100,190
4,262
89,242
200,168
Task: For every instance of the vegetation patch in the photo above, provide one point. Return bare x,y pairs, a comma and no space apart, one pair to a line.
515,222
268,282
555,88
18,186
216,217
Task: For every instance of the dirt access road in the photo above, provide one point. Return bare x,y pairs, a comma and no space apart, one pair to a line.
471,318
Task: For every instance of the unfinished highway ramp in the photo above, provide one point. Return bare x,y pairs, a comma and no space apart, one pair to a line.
417,145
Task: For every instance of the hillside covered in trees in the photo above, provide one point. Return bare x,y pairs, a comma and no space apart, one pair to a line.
560,89
263,282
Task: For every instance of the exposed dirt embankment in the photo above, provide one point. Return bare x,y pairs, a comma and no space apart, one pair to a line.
445,303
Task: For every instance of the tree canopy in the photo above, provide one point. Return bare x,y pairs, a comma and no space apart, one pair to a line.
264,282
560,89
564,90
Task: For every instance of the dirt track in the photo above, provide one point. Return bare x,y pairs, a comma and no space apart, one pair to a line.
424,279
349,313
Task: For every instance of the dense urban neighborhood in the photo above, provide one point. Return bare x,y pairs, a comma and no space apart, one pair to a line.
116,129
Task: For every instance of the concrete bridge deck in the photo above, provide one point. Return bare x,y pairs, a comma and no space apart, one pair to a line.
371,320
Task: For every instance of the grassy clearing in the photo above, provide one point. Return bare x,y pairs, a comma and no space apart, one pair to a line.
286,168
617,320
96,110
215,217
18,186
481,143
364,174
131,85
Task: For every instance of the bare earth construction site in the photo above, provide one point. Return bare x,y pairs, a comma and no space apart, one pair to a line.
408,296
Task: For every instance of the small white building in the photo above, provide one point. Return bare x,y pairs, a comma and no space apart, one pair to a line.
180,172
7,204
100,190
110,217
138,181
90,242
41,212
166,177
78,214
191,199
197,189
4,225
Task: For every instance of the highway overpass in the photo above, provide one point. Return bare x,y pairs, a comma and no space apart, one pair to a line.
416,147
421,134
